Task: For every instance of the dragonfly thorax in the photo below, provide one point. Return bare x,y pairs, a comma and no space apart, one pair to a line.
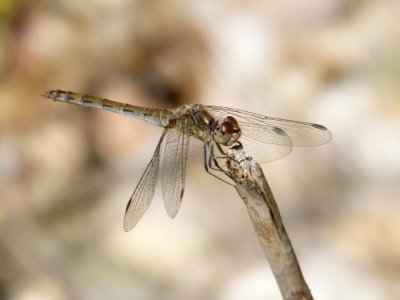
205,126
195,120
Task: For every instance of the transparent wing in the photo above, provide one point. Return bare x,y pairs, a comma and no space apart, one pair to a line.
173,168
196,150
144,191
263,152
269,130
280,134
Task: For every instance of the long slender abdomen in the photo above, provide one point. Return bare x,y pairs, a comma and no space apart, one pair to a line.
155,116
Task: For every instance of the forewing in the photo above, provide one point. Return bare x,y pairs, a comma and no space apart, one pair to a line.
263,152
173,169
279,134
144,191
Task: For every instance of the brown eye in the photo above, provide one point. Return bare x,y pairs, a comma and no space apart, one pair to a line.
226,128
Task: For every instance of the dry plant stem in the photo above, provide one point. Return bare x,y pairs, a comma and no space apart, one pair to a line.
253,188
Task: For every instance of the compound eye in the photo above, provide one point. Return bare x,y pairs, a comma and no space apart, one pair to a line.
226,127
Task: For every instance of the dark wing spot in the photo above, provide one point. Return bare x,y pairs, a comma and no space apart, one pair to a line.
278,131
319,126
128,205
182,191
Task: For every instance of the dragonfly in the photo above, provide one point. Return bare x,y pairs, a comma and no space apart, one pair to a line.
201,133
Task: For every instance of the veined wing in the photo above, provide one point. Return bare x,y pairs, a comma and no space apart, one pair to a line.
173,168
279,134
269,130
144,191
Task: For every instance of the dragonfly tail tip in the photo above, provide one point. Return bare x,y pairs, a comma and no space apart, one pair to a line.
45,94
49,94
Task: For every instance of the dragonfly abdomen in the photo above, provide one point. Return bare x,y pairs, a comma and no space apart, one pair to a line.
155,116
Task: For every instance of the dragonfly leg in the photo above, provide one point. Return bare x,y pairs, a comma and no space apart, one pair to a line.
213,159
209,166
212,162
220,178
205,157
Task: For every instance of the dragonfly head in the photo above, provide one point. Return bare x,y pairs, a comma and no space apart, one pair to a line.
227,132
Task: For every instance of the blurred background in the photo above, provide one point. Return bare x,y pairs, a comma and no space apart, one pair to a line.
66,172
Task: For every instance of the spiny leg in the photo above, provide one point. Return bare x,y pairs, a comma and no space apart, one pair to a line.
205,157
213,159
210,165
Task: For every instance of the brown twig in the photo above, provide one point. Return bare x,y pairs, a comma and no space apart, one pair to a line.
253,188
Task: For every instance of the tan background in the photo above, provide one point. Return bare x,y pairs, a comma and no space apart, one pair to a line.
67,172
